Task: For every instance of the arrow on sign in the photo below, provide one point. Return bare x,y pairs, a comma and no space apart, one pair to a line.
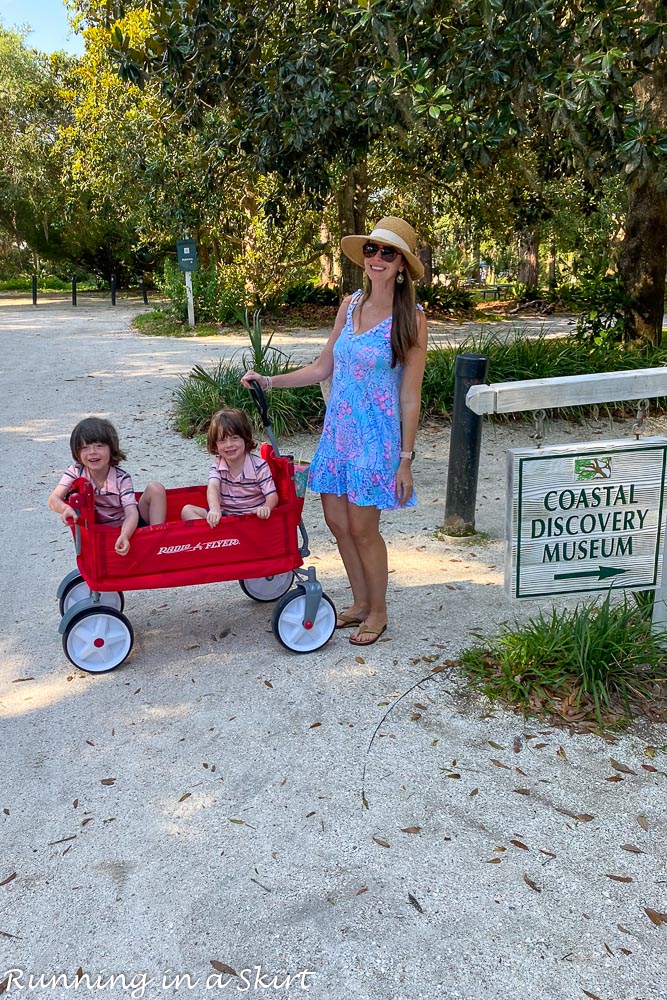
602,572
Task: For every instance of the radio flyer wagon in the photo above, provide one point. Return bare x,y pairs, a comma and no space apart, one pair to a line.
263,555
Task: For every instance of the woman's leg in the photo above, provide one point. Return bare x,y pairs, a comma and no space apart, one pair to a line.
372,552
364,554
336,515
153,504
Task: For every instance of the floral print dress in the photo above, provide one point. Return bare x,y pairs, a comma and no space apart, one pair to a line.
358,453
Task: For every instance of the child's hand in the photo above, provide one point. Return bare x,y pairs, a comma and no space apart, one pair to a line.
68,515
122,545
213,518
263,512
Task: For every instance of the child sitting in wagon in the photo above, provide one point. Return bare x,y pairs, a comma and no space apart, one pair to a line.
239,482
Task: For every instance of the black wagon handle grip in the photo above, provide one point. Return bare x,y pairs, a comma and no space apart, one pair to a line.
259,400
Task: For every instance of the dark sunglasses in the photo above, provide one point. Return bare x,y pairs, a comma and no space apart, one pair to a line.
387,253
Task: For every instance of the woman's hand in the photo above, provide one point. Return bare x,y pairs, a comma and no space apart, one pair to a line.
404,481
253,376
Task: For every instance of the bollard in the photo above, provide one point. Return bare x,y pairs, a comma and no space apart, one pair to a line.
73,291
142,288
34,289
464,447
113,289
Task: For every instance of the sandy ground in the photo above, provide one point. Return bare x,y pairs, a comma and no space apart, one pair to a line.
200,808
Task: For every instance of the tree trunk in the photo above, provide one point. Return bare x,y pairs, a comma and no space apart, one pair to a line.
643,261
326,259
529,249
352,199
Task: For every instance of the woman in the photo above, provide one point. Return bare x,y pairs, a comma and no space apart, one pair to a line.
363,464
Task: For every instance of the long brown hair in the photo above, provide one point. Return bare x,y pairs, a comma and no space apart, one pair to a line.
403,317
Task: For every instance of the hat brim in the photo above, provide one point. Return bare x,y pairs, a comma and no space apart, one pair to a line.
352,248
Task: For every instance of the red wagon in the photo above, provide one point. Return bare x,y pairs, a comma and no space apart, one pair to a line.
265,556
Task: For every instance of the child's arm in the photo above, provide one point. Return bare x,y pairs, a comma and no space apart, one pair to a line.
213,502
58,504
129,527
269,503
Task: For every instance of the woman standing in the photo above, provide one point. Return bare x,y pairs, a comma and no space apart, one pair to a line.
363,464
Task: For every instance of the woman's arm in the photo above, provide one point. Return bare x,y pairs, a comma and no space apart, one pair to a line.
316,371
410,404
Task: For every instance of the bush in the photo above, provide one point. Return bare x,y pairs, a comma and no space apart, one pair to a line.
601,302
445,298
218,295
592,663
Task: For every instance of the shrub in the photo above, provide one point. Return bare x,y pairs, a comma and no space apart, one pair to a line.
445,298
218,295
591,663
601,302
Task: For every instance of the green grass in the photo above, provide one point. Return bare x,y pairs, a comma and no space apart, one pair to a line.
162,324
593,664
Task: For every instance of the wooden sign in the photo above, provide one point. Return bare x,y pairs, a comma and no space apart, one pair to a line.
585,517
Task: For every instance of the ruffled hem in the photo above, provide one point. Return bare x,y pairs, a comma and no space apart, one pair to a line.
363,487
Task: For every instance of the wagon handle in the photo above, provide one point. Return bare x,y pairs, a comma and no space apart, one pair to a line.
259,400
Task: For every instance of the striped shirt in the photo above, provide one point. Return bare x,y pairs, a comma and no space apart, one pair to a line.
112,499
246,492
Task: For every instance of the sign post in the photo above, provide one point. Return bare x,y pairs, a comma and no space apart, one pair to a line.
186,253
585,517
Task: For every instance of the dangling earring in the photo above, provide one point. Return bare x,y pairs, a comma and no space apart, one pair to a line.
400,278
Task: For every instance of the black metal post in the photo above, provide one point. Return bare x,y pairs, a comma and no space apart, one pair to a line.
464,447
34,289
73,291
142,288
113,289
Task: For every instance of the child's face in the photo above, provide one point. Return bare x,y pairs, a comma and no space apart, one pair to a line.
95,456
231,447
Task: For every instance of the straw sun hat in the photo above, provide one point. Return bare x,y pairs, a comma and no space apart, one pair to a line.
391,232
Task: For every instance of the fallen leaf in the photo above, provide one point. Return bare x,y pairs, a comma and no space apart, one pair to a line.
268,684
359,659
315,725
561,753
643,823
538,746
615,777
516,745
413,902
496,746
519,771
631,848
549,854
584,817
650,752
185,796
381,842
649,767
521,791
410,829
79,973
107,781
656,918
519,843
4,984
10,878
626,951
624,929
360,892
619,878
494,861
530,882
20,680
137,691
608,949
415,716
474,793
617,766
241,822
500,764
222,967
593,996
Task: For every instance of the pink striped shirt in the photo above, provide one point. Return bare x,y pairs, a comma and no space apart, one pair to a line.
241,494
112,499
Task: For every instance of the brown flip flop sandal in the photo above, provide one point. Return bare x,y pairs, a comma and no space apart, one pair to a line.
369,631
348,621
